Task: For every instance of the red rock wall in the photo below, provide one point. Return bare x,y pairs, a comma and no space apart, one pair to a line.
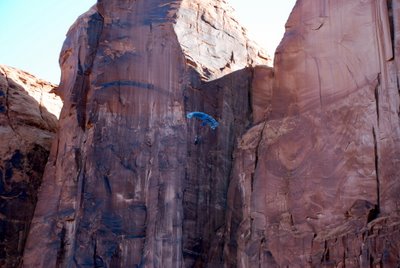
125,185
316,184
28,121
314,181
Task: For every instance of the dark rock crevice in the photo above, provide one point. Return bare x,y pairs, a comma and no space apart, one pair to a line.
257,153
377,172
376,95
391,24
84,68
61,250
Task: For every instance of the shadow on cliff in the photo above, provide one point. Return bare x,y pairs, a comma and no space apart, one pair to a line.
210,161
29,128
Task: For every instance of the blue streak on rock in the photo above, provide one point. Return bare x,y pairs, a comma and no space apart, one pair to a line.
136,84
128,83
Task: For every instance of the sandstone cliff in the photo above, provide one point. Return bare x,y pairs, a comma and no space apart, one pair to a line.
126,185
28,121
314,179
316,184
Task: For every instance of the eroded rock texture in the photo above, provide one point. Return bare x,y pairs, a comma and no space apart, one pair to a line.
130,181
28,121
316,183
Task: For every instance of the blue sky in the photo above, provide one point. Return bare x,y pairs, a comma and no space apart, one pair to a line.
32,32
264,19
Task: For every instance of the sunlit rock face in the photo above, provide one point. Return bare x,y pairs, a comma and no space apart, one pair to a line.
315,141
28,122
316,182
131,182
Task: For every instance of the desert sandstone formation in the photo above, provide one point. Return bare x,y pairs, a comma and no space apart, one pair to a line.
314,179
317,182
130,181
28,121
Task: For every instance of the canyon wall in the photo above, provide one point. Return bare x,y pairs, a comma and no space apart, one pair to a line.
316,183
131,182
303,170
28,122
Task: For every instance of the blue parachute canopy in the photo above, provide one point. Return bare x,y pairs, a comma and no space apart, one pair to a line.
207,119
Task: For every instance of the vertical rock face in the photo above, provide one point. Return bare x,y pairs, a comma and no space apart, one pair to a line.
316,183
28,120
130,181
